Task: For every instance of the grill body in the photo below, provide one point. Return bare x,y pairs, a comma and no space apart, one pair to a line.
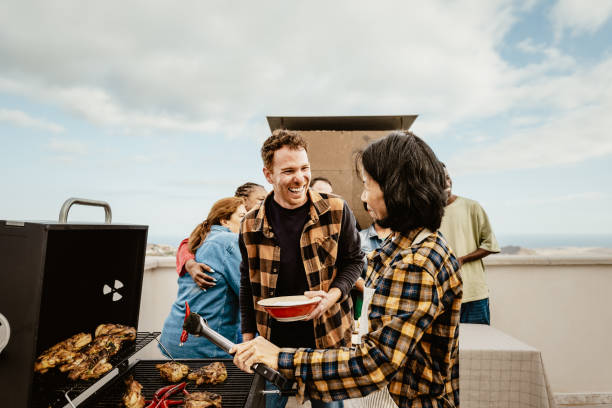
57,280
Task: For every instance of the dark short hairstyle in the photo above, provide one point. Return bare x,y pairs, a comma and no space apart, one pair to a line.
314,180
411,179
279,139
247,188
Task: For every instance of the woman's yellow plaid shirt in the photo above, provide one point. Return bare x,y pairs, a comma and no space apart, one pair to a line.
413,342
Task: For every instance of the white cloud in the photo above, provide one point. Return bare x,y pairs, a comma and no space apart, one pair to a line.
216,68
575,129
65,147
579,16
198,67
20,118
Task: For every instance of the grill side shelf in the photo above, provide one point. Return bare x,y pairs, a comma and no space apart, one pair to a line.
234,391
49,388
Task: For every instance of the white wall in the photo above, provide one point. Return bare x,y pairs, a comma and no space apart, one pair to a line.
159,289
561,306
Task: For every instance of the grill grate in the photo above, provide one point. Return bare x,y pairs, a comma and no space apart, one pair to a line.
234,391
49,388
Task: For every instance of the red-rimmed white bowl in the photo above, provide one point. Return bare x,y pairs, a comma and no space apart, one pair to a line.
289,308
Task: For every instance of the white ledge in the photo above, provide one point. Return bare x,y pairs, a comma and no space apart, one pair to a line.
153,262
548,260
592,398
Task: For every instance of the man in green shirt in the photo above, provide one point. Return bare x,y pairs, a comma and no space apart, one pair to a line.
466,227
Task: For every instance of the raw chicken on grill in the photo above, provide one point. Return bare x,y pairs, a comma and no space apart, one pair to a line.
203,399
116,330
62,353
133,397
173,372
214,373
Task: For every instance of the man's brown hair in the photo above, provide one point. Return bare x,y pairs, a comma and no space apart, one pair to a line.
279,139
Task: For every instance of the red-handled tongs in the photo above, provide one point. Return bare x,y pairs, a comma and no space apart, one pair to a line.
184,334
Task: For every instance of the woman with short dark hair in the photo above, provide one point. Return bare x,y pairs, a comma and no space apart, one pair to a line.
412,181
409,356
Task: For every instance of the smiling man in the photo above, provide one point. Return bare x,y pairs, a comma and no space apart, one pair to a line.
298,242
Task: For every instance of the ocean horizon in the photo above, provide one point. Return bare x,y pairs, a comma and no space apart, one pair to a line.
521,240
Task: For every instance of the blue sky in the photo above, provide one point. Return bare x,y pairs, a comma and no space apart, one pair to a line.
159,108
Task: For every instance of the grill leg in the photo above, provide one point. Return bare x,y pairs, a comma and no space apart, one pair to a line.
256,398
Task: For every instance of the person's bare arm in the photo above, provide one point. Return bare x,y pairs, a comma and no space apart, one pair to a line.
196,270
360,285
185,262
474,256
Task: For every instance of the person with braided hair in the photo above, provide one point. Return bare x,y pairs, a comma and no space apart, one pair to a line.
253,195
215,241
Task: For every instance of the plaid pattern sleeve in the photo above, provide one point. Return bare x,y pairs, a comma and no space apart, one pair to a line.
412,345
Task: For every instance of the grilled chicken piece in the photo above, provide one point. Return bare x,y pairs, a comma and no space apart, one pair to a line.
61,353
76,360
133,397
101,367
173,372
116,330
203,399
53,359
214,373
77,342
93,361
105,343
92,367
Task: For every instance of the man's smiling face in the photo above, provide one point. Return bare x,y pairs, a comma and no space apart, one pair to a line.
290,176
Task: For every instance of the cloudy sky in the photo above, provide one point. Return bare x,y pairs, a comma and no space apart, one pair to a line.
159,107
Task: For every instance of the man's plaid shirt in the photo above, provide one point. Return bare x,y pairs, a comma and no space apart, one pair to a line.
330,250
413,339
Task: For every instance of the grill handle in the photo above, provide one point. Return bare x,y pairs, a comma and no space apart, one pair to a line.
63,216
213,336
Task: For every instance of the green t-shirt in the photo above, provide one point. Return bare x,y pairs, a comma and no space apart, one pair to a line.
466,227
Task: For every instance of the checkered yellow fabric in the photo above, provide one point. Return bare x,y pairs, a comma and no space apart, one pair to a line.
413,342
319,248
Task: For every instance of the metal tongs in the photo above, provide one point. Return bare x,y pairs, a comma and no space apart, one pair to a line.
198,326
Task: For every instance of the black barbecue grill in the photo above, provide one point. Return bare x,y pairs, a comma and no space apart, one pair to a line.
58,279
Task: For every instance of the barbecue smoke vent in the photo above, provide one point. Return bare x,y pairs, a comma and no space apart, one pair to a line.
107,290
